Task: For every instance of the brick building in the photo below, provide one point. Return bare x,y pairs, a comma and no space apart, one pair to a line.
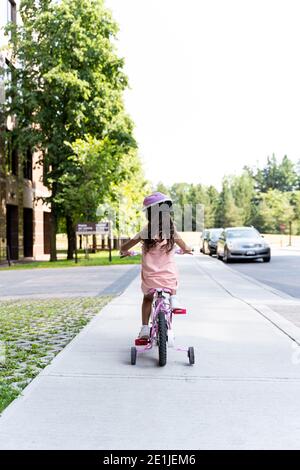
24,220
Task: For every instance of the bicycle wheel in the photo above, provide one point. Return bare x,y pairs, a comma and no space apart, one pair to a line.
162,339
191,355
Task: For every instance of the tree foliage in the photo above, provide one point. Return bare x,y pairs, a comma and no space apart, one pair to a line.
267,197
66,95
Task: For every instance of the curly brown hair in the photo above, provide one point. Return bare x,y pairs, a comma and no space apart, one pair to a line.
160,227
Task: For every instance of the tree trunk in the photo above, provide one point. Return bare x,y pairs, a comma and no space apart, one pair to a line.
94,244
71,237
53,229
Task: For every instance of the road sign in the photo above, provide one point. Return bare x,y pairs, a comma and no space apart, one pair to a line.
92,228
88,228
102,227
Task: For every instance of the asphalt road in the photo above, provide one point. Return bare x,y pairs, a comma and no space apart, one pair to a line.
59,282
282,273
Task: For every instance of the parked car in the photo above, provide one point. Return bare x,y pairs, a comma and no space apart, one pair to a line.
203,238
210,244
242,243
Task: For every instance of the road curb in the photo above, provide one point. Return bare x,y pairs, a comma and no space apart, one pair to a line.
286,326
278,320
250,279
262,285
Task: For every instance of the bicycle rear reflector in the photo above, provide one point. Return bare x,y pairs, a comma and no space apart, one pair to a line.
179,311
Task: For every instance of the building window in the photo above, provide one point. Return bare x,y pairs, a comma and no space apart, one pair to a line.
12,11
11,153
27,165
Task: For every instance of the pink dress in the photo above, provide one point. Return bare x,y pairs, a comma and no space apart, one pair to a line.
159,268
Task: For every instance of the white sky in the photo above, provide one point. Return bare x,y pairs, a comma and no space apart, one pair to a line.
215,84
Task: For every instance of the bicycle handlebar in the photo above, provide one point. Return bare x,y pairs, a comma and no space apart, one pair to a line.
178,251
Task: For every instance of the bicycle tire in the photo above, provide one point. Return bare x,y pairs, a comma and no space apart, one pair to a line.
191,355
162,339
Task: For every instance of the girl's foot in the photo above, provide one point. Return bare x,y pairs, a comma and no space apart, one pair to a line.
174,302
145,332
175,305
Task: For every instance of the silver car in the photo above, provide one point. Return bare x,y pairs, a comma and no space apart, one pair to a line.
210,243
242,243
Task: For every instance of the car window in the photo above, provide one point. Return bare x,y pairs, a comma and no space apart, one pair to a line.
215,234
246,233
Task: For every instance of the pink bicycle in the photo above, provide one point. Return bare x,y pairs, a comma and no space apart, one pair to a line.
161,332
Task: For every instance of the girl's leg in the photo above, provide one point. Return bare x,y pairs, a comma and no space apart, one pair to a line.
146,309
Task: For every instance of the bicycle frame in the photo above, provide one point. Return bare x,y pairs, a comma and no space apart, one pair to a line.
159,304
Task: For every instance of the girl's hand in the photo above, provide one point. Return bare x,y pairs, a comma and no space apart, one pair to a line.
123,254
187,250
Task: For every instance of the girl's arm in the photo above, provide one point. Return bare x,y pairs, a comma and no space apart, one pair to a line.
130,243
181,243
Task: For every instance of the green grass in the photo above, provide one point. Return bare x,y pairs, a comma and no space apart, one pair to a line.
95,259
32,332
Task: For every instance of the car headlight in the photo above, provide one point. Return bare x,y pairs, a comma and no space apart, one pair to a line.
230,245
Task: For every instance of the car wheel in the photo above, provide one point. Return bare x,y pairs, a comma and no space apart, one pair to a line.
225,257
267,259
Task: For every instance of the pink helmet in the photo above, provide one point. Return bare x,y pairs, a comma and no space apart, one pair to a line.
155,198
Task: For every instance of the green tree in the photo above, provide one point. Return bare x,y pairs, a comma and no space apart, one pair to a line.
211,206
126,198
186,195
282,176
295,202
67,87
243,191
227,212
161,187
274,209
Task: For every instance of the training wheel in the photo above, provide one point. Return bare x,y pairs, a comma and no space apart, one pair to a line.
133,355
191,355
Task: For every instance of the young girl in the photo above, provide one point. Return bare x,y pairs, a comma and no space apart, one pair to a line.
158,238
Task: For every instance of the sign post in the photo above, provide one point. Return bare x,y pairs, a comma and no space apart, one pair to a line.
109,240
282,229
76,259
290,233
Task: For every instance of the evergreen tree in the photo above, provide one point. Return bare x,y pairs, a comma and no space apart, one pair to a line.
227,212
274,210
243,191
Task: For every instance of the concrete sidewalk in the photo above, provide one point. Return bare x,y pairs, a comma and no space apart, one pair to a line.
242,393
